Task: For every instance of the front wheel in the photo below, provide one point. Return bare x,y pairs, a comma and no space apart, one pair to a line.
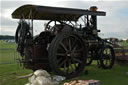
107,57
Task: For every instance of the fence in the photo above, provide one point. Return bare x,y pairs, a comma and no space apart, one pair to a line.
121,53
8,53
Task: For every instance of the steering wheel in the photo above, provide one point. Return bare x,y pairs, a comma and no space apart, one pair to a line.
54,26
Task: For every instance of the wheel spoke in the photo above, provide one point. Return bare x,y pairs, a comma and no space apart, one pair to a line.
77,60
70,46
62,63
76,54
106,51
59,60
98,62
67,66
73,70
61,54
106,62
64,67
73,51
78,51
70,65
75,41
64,47
74,64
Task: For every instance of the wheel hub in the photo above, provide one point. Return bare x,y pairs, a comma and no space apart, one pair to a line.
68,55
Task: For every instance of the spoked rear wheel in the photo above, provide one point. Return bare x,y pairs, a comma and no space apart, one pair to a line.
67,54
107,57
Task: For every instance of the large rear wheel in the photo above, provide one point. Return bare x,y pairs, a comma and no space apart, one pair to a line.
67,54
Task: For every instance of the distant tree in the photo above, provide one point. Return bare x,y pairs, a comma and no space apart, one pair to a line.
121,40
3,37
127,40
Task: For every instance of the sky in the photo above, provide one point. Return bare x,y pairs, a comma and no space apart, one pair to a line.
114,24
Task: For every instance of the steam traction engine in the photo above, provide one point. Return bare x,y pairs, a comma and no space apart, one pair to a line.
69,42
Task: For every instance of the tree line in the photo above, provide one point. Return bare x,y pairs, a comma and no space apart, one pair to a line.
5,37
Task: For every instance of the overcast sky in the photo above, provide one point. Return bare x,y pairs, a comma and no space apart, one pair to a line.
114,24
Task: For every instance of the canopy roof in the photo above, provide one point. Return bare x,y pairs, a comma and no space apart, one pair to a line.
52,13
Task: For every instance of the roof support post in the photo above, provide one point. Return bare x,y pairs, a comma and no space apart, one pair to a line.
94,21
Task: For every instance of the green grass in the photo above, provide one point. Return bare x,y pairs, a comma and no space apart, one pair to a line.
7,52
123,43
10,72
4,45
115,76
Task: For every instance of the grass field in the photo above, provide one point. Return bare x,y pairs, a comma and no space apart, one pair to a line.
10,72
4,45
123,43
115,76
7,52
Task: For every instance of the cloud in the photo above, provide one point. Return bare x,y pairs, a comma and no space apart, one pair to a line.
114,24
8,30
11,4
7,7
7,24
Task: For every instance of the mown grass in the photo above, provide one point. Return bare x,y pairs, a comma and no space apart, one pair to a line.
7,52
10,72
115,76
124,43
5,45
